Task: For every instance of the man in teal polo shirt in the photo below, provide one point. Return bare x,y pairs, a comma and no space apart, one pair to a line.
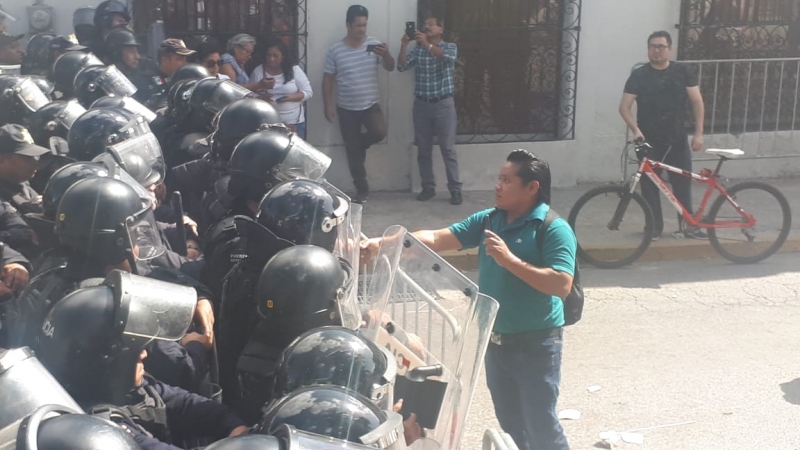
523,361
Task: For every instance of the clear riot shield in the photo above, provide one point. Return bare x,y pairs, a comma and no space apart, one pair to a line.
432,318
346,247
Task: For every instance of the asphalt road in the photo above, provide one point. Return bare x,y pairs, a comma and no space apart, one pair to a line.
705,342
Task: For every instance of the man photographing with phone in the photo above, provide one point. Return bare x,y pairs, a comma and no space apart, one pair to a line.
434,62
352,66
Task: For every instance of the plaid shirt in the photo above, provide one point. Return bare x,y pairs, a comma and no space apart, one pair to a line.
433,77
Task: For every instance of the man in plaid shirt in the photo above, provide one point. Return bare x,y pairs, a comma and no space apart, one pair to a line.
434,62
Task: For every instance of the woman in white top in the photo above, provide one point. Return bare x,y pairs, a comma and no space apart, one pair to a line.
292,87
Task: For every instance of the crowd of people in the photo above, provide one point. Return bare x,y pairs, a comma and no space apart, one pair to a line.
171,253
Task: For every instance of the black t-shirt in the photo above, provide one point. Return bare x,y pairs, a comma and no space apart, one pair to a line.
661,100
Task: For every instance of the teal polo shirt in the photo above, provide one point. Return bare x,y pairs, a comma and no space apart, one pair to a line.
522,308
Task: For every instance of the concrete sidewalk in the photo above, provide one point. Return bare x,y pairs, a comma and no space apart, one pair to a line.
391,208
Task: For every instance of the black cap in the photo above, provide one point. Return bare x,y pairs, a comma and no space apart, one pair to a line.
356,11
64,43
17,139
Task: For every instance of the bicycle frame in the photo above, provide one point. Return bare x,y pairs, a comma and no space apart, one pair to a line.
649,167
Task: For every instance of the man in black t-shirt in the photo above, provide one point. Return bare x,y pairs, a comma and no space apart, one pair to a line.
660,90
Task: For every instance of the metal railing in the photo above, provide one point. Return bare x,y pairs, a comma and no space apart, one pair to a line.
497,440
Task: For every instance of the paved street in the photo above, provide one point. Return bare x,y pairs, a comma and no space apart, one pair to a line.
709,342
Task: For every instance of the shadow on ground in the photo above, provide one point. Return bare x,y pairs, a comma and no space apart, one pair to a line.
791,391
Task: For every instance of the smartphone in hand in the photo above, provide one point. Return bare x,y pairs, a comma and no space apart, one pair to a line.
411,29
371,48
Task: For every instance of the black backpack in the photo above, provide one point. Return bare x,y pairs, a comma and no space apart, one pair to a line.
573,304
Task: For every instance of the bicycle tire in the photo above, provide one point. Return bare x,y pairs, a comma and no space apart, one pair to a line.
619,191
785,225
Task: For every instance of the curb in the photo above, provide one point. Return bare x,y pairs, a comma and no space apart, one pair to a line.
663,250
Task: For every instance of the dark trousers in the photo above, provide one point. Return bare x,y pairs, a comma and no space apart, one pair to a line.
680,156
356,143
523,375
436,119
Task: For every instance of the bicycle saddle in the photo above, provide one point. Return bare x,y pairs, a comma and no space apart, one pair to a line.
729,153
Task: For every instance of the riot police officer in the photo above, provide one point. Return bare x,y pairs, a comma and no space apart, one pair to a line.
95,342
52,120
103,224
38,414
19,98
83,24
66,67
95,82
109,15
19,159
38,58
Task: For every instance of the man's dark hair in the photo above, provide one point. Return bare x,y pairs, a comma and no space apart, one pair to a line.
356,11
660,34
437,17
530,168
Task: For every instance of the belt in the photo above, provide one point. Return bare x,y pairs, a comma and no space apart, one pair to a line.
434,99
508,338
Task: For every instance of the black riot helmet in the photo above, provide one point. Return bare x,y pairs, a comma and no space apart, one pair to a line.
210,96
108,9
238,120
66,67
63,179
94,131
266,158
38,57
304,287
53,119
109,221
92,339
83,24
250,442
127,105
56,427
19,98
178,99
92,83
337,356
331,411
188,72
46,86
116,41
303,212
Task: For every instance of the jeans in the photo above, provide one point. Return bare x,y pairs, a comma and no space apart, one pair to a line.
436,119
301,129
523,375
680,156
356,143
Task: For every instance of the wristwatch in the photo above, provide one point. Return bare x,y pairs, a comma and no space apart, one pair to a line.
430,46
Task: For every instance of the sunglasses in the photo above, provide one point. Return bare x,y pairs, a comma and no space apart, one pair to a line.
213,62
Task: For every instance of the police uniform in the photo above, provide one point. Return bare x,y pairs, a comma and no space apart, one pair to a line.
15,232
16,139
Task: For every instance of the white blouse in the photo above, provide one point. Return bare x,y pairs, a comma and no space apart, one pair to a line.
291,112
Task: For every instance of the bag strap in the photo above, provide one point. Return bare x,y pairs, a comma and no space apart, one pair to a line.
542,231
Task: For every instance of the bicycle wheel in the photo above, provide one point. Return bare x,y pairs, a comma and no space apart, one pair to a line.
750,245
602,241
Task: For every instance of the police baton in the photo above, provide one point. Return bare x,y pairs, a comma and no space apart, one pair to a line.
177,205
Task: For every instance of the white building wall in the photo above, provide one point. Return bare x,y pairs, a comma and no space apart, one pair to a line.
612,39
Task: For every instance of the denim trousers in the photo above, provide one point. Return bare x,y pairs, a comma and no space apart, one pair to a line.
523,374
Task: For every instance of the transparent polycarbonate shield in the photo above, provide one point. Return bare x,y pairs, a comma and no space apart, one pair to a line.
140,156
225,93
144,234
377,278
133,106
115,83
302,161
72,110
152,309
437,325
30,95
10,69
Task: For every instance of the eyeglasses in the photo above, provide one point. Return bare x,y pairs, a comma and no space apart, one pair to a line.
248,52
213,62
658,47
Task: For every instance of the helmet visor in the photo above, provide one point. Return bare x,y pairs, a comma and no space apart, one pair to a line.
133,106
302,161
225,93
72,110
30,95
140,156
156,309
114,82
144,234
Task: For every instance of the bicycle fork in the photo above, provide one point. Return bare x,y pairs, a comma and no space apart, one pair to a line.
624,201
